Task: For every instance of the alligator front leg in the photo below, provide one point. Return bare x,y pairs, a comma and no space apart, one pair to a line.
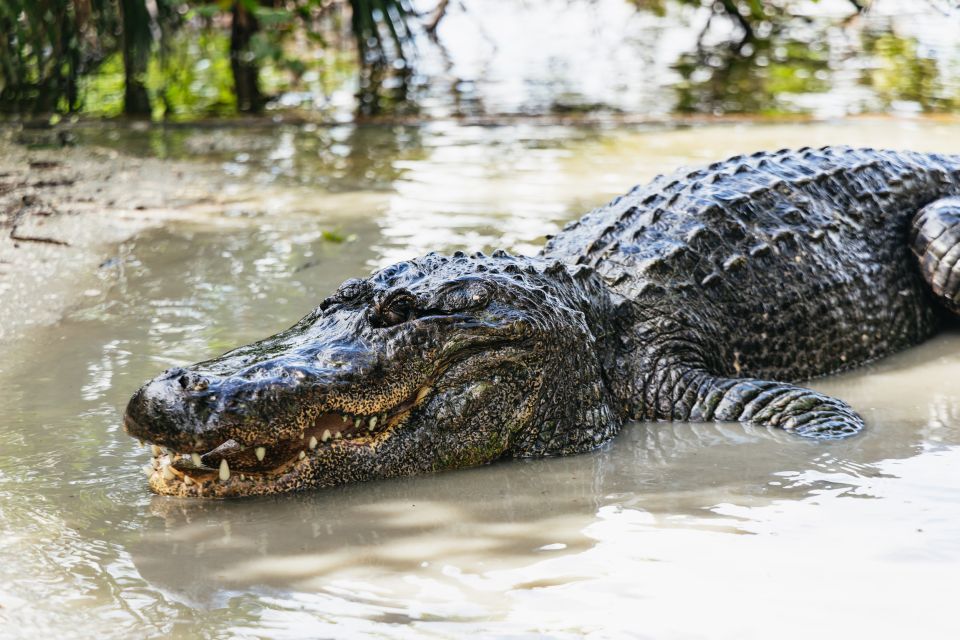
698,396
935,241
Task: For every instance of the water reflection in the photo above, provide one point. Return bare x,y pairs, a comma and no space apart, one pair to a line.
338,158
614,57
767,75
907,76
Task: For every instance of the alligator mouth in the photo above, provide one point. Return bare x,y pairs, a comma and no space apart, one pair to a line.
235,469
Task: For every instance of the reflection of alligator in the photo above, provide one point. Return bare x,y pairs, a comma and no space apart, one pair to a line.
682,300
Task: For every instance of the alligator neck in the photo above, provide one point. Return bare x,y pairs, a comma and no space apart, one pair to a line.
575,407
646,345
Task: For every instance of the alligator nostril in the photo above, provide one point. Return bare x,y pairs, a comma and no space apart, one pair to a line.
193,382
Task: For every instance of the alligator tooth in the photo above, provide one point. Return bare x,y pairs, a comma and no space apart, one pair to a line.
344,418
325,435
148,469
155,450
261,452
195,458
187,480
243,477
337,435
167,473
373,422
356,425
303,454
224,470
313,441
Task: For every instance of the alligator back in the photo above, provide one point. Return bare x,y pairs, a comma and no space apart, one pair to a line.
789,265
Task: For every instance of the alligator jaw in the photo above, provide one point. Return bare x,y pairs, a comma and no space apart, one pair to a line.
232,469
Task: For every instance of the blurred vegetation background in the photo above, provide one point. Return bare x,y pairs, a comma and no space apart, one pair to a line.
176,59
155,58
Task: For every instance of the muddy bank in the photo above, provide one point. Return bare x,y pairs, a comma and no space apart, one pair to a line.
63,210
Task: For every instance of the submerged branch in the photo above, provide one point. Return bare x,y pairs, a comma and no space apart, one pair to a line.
22,238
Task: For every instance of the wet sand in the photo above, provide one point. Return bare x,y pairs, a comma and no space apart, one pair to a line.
64,209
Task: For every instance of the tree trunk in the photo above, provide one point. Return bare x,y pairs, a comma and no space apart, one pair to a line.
137,40
246,80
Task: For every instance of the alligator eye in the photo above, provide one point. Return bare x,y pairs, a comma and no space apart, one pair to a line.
396,309
392,316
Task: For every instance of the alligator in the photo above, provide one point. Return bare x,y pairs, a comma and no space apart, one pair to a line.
705,295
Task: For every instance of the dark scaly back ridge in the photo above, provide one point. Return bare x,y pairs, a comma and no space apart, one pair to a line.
777,252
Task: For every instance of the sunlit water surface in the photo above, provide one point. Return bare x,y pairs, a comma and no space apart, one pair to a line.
670,531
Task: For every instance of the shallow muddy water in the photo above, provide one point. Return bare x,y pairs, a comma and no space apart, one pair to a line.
670,531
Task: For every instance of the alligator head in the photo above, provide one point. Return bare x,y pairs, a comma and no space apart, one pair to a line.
427,365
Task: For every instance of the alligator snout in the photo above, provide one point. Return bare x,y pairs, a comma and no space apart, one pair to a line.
197,410
172,409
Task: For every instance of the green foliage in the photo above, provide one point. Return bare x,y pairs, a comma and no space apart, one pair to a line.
902,74
758,78
192,76
188,76
47,45
336,236
172,58
101,93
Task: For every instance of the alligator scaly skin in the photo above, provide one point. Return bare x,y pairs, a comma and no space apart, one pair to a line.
782,266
